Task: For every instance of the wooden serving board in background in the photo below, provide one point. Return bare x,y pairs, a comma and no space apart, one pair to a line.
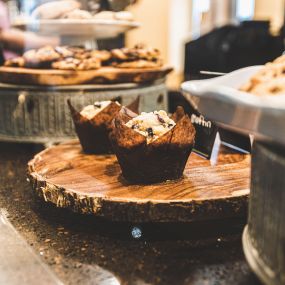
93,184
54,77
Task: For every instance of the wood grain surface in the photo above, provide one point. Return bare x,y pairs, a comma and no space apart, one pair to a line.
93,184
53,77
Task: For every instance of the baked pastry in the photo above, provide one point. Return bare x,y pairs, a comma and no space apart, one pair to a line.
105,15
270,80
15,62
81,53
124,16
93,124
61,57
110,15
137,57
41,58
77,58
55,9
64,51
77,64
102,55
77,14
152,147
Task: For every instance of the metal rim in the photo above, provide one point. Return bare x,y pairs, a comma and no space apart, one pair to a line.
104,87
258,266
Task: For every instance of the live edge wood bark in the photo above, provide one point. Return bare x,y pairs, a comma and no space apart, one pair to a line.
92,184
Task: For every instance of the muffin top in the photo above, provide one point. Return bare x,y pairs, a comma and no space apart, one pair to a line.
91,110
151,125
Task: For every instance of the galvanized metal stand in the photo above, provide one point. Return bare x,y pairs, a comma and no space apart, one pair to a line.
264,237
41,115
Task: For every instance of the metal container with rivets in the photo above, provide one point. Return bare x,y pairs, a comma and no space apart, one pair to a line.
40,114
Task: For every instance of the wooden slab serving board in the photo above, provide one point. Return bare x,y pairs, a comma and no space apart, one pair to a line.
53,77
93,184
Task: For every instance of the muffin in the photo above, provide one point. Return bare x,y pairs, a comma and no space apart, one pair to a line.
152,147
93,123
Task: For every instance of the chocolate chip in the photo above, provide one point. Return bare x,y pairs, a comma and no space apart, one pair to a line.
160,119
150,132
135,126
98,105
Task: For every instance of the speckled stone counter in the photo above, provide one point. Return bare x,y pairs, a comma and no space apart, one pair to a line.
85,250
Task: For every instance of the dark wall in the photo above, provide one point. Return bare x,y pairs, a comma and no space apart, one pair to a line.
231,47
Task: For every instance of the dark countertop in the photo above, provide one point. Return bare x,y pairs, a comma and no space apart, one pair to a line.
84,250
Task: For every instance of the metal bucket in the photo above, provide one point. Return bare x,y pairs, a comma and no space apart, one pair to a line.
40,114
264,236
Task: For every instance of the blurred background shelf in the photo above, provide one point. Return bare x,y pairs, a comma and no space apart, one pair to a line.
83,29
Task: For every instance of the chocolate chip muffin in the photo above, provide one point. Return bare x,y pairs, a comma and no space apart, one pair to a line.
152,147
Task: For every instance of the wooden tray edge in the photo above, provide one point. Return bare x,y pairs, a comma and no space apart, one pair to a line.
186,211
104,75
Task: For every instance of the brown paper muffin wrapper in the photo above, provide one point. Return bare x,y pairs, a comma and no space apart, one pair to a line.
93,133
161,160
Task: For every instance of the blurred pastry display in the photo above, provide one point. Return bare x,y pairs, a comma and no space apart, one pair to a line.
77,64
105,15
68,65
71,9
61,57
110,15
269,80
77,58
136,57
77,14
76,23
55,9
124,16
